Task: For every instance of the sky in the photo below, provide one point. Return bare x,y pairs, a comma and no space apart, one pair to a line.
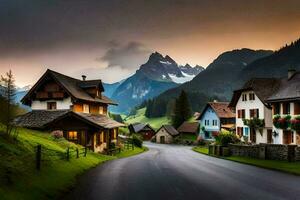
111,39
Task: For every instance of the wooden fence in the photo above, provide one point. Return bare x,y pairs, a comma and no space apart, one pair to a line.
44,155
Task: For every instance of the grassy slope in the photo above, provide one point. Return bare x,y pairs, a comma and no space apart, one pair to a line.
284,166
140,117
20,180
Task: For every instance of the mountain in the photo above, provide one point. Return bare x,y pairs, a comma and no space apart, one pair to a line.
109,88
157,75
218,80
275,65
189,70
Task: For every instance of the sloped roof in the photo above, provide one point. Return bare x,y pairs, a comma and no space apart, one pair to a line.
170,130
188,127
73,86
262,87
221,109
289,89
100,120
137,127
40,119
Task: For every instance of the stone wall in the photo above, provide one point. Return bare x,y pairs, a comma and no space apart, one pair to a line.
244,150
297,153
267,151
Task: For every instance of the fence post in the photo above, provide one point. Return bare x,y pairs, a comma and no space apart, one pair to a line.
68,154
38,156
85,151
77,153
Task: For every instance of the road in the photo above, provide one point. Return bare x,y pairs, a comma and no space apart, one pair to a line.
176,172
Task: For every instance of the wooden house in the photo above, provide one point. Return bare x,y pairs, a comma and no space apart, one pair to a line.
189,128
76,107
145,130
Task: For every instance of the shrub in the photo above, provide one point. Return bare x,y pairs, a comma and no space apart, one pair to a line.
282,122
295,123
225,138
57,134
200,141
137,141
153,139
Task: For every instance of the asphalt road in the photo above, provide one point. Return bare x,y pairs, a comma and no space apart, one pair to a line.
176,172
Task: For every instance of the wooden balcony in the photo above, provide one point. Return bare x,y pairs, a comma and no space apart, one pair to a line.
42,95
57,95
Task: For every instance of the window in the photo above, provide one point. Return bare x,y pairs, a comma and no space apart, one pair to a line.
86,108
240,131
51,105
241,113
244,97
72,135
246,131
206,122
215,122
286,108
251,96
254,113
296,108
276,109
101,110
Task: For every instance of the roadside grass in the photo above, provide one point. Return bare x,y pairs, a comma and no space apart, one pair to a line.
19,178
283,166
201,149
126,153
156,123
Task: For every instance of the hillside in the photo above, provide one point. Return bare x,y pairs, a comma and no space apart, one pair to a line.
140,117
218,80
19,178
275,65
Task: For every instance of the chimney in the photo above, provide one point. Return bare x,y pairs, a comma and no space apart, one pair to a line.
291,72
83,77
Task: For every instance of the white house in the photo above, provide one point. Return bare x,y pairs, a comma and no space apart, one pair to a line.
286,104
214,117
249,103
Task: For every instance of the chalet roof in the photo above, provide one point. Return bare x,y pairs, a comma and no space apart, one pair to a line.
221,109
40,119
137,127
288,90
100,120
170,130
74,87
188,127
262,87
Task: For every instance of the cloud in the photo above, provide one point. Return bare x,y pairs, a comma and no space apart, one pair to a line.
129,56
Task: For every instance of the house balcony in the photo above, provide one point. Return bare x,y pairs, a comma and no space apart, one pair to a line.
49,95
287,122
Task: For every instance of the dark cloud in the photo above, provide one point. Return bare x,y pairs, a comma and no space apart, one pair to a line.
129,56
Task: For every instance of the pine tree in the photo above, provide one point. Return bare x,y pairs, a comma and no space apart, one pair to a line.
8,110
182,110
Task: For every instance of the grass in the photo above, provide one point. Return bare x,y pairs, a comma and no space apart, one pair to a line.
201,149
127,153
189,137
20,180
283,166
156,123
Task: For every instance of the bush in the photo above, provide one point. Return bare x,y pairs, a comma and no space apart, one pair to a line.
201,141
137,141
153,139
57,134
225,138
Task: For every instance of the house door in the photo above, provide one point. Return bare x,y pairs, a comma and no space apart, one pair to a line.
287,137
252,135
269,136
162,139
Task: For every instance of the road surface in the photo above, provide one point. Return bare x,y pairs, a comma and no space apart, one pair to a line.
176,172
